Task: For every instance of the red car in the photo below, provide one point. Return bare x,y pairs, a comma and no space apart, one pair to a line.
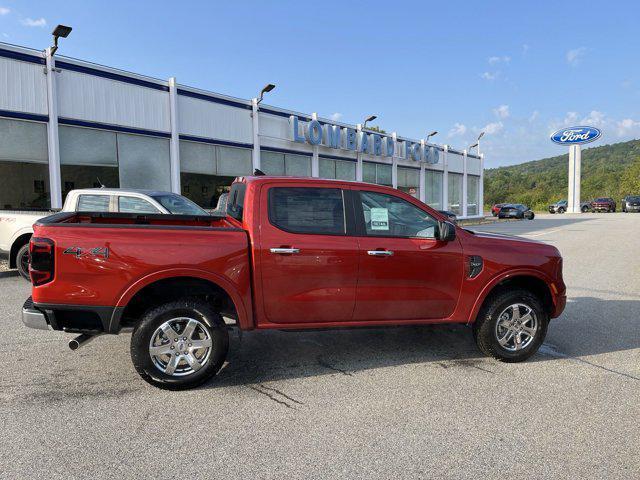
291,254
603,204
495,210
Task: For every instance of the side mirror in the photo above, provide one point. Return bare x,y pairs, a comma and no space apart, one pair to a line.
446,231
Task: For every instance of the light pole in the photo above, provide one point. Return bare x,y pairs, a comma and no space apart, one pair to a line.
266,89
359,169
370,118
61,31
255,156
478,142
432,134
473,146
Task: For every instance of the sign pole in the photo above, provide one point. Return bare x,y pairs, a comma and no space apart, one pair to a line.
575,160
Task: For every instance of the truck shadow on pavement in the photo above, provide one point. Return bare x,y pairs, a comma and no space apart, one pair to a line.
589,326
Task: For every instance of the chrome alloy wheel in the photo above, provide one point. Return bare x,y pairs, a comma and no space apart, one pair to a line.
180,346
516,327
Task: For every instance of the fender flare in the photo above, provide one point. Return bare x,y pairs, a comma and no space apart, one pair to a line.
244,312
517,272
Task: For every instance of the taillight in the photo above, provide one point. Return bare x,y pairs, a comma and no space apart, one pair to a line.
41,261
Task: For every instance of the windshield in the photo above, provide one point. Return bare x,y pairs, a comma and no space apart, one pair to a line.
633,199
179,205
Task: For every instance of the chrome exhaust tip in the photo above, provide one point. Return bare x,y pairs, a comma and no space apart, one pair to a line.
80,340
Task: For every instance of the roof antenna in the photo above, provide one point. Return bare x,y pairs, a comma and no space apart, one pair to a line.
101,184
258,173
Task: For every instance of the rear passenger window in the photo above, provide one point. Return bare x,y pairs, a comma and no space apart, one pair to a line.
235,202
93,203
135,205
307,210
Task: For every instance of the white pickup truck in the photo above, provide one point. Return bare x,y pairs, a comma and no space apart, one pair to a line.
16,227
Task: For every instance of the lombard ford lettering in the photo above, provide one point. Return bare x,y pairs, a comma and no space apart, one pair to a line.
576,135
314,132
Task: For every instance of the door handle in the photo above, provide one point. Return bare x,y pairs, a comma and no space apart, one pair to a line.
380,253
284,251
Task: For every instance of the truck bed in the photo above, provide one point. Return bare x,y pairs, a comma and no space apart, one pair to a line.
102,259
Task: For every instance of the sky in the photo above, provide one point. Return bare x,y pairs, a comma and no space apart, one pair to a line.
517,71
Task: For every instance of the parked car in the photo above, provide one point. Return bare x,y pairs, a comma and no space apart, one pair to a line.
562,206
291,254
516,210
603,204
631,203
451,216
16,228
495,209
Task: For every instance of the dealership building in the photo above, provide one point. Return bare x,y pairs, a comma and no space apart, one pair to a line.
68,124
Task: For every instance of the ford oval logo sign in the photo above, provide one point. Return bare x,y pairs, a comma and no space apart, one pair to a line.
575,135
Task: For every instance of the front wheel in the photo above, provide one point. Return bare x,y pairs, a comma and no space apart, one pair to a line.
22,262
179,344
585,209
561,210
511,326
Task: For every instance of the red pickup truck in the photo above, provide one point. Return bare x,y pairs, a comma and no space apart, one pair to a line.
291,253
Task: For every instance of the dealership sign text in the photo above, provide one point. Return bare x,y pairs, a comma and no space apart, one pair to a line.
575,135
347,138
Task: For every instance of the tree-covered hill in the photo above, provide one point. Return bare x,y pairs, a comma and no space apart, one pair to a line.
607,171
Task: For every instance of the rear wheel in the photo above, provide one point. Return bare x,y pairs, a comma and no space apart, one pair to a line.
511,326
585,209
22,262
561,210
179,345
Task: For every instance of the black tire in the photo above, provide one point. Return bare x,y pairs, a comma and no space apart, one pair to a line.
585,209
154,318
530,215
22,262
561,210
484,328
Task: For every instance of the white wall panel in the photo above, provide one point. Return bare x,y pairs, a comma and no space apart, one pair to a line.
473,166
456,162
23,87
274,126
96,99
213,120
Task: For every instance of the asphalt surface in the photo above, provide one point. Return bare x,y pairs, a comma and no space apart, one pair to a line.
371,403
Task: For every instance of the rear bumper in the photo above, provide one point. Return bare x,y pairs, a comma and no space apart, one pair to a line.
87,319
34,318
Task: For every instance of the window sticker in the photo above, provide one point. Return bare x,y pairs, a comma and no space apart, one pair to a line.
379,219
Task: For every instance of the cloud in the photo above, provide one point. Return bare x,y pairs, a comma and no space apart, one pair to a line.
30,22
575,56
457,130
502,111
489,75
534,116
595,118
4,11
336,116
494,60
628,126
493,128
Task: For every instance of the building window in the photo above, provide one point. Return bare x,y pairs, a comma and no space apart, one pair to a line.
88,159
144,162
409,181
207,171
473,194
433,189
377,173
337,169
455,193
24,169
279,164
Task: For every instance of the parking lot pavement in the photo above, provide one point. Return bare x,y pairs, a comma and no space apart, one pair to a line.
372,403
